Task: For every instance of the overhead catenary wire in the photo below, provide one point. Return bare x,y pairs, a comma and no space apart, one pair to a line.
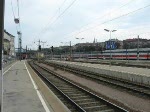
106,14
62,4
19,14
12,10
64,11
114,19
56,12
18,26
110,12
16,15
50,20
60,15
18,8
105,21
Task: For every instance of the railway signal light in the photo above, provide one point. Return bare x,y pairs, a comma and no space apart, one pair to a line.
52,49
39,47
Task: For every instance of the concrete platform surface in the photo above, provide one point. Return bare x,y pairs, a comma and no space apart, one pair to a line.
19,93
140,75
133,70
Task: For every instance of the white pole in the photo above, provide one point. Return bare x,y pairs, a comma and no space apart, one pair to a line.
138,48
110,48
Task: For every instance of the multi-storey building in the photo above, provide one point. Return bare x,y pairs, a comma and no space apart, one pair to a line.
8,44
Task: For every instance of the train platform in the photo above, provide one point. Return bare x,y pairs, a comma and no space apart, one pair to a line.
139,75
20,93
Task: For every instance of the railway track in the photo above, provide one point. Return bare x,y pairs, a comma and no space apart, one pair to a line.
74,97
117,64
134,88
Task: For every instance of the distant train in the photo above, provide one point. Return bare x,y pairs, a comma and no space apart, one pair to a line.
142,54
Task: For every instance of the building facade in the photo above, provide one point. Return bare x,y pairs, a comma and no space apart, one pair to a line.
135,42
8,44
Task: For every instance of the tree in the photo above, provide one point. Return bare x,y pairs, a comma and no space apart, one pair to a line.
118,45
125,45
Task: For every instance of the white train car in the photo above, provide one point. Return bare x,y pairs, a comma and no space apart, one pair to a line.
120,54
142,54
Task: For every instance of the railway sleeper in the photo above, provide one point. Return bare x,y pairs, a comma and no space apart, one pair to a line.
77,97
96,108
84,100
74,93
108,110
80,94
65,88
67,91
85,104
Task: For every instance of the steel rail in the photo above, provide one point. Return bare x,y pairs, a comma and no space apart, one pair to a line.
109,80
47,80
78,107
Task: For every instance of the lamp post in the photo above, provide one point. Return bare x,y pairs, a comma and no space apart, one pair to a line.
79,46
70,52
138,48
110,42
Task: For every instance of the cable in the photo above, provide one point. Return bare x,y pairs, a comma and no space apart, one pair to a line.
114,19
57,10
110,12
18,8
62,3
19,25
19,14
60,15
106,14
12,9
53,16
64,11
44,28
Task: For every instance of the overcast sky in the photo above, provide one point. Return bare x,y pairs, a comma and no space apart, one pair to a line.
45,20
